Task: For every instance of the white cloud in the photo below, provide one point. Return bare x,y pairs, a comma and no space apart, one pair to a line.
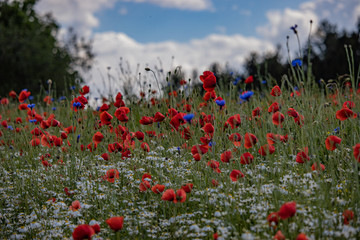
75,13
195,5
195,54
123,11
343,13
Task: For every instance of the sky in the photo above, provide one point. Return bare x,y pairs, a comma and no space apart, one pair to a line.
191,34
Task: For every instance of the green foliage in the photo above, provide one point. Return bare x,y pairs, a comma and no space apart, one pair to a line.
30,54
327,56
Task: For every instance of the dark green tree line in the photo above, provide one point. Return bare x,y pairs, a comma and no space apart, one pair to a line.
30,53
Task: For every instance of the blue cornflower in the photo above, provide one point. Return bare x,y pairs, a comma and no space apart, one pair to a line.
31,97
10,127
72,88
231,73
98,109
294,28
220,103
178,148
77,104
31,106
62,98
188,117
211,143
296,62
263,82
77,139
236,80
336,130
246,95
54,108
33,120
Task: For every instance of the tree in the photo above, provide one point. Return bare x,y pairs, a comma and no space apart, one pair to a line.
329,60
30,53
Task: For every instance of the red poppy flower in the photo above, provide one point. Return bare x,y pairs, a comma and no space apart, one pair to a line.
292,113
82,100
12,94
302,236
256,112
57,141
236,139
348,104
278,118
275,91
180,196
82,232
46,141
169,195
201,149
214,165
146,120
4,101
24,94
266,149
70,129
299,120
34,142
209,81
183,82
331,142
85,89
98,137
279,236
272,138
226,156
287,210
144,185
140,135
111,175
209,128
214,183
105,118
121,115
348,215
187,187
315,167
23,106
234,121
302,156
356,152
249,80
273,219
158,117
345,113
274,107
105,156
177,120
209,95
158,188
96,228
235,175
197,157
145,147
246,158
250,140
36,132
75,205
115,223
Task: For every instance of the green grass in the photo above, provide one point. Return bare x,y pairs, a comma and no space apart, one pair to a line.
234,210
